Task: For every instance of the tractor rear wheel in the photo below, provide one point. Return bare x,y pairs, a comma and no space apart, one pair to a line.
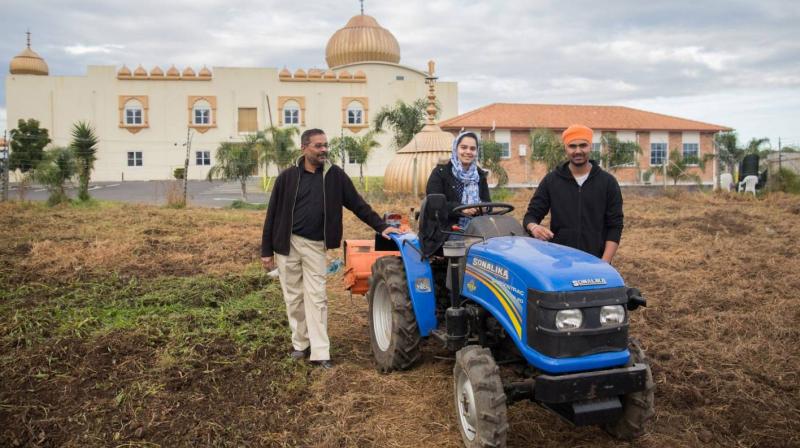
637,407
479,398
394,333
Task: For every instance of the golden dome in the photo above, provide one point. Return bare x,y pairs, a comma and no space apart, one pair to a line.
285,73
361,40
140,72
360,75
204,72
124,72
188,72
173,72
156,72
315,73
344,74
28,63
299,73
329,74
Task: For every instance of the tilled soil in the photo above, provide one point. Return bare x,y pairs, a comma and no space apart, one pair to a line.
720,273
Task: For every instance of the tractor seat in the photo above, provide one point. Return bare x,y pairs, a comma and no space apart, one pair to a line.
492,226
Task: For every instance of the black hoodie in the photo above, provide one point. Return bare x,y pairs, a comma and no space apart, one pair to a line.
583,217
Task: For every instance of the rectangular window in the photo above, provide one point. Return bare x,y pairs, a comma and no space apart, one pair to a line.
133,116
203,157
134,158
248,119
505,152
351,158
291,116
354,116
202,116
691,153
658,153
400,78
596,151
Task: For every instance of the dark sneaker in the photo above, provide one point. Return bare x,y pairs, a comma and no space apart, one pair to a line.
300,354
326,364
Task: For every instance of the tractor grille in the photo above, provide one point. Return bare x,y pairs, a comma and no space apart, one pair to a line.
590,338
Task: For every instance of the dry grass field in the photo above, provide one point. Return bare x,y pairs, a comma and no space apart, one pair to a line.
127,325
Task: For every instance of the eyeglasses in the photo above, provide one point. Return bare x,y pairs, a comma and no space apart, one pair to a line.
578,145
320,145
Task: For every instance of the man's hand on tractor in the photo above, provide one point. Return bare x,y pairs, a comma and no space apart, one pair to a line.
268,262
540,232
390,230
471,211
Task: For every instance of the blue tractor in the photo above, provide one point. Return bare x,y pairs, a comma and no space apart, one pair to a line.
553,319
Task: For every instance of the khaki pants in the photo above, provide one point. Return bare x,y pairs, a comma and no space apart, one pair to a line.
302,275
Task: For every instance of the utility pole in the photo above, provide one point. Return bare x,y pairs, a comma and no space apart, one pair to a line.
186,164
780,164
5,159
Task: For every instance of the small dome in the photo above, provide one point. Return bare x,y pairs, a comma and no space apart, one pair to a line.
329,74
285,73
315,73
140,72
173,72
361,40
299,73
157,72
204,72
360,75
344,74
188,72
124,72
28,62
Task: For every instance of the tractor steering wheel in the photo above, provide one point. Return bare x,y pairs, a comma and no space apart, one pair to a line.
484,208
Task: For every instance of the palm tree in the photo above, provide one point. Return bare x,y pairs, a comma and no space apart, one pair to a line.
341,147
236,161
730,153
57,168
546,148
361,149
678,167
491,154
84,143
618,153
406,120
278,146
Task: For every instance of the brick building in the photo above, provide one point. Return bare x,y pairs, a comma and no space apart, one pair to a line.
656,134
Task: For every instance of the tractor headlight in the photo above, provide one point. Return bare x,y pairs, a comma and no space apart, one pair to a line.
569,319
612,315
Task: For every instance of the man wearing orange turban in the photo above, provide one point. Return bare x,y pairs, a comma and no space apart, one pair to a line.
585,202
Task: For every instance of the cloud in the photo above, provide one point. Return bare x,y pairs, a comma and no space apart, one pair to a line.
79,49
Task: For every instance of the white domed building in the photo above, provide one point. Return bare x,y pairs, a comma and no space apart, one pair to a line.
140,114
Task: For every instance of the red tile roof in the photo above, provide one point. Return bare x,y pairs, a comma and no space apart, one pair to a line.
561,116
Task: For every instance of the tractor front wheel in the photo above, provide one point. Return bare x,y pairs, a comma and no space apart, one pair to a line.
637,407
394,333
479,398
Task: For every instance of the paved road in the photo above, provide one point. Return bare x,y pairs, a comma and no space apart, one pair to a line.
201,193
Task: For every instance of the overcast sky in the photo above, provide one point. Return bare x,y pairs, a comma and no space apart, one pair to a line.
734,63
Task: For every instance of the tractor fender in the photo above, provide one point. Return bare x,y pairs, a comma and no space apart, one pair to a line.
419,279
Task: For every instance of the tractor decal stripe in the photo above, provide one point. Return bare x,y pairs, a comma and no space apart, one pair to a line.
500,289
502,297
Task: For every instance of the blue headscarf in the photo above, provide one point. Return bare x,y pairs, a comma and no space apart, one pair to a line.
468,178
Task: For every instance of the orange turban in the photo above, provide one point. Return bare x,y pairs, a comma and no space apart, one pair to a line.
576,132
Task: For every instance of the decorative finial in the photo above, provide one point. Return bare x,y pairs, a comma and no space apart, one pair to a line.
29,37
431,66
362,7
431,81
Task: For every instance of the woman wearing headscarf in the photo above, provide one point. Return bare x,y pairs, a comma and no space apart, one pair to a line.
461,180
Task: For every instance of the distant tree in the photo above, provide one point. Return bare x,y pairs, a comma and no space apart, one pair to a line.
340,147
679,167
730,153
360,150
56,169
236,161
278,146
84,144
491,154
546,148
27,145
405,120
617,153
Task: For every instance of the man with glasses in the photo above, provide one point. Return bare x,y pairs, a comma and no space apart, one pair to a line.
585,202
304,218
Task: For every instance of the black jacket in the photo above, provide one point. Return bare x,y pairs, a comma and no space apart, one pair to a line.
338,191
582,217
442,181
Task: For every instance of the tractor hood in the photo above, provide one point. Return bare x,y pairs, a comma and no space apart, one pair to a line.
541,266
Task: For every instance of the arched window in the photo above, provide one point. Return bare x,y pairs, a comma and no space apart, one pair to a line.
291,113
134,113
201,113
355,113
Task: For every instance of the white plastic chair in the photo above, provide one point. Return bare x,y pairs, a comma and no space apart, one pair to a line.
749,184
726,181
